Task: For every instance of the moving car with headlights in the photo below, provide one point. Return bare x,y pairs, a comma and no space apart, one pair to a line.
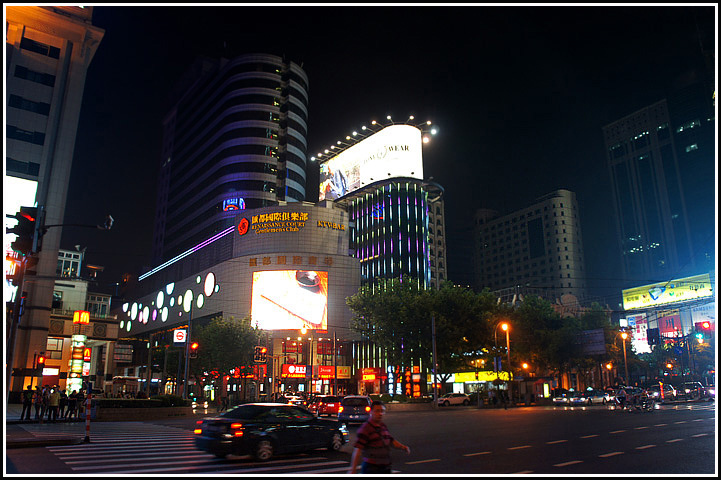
588,397
325,405
562,397
691,390
354,409
265,429
453,399
669,393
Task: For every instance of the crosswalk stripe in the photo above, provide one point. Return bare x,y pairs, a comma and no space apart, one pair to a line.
241,470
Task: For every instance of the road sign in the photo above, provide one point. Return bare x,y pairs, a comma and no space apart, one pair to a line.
179,335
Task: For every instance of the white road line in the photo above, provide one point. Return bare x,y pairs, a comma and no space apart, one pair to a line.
243,468
206,456
516,448
424,461
639,428
682,421
645,447
674,440
617,431
698,420
565,464
473,454
556,441
589,436
661,425
118,453
700,435
610,454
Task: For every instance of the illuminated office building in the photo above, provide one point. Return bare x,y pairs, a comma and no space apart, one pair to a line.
48,52
235,139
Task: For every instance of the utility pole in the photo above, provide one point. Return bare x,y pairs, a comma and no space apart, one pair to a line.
435,362
187,352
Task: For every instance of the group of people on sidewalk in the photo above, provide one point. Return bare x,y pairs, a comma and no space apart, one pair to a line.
52,402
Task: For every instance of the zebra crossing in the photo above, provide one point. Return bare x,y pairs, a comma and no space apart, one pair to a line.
131,448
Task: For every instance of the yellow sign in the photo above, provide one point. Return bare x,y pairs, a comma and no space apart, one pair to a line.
663,293
343,372
485,376
278,222
81,316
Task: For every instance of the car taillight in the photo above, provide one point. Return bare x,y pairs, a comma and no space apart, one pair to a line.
199,422
197,431
368,409
238,427
340,409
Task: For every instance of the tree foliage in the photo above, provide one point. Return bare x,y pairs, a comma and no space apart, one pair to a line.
224,344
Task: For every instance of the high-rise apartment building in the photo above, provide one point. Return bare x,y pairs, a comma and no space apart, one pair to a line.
437,243
234,139
48,52
536,250
661,161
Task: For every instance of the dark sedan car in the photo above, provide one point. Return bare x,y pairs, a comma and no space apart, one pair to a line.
325,405
355,409
265,429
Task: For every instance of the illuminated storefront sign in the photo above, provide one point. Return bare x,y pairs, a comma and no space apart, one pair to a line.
395,151
81,317
638,325
276,222
232,204
662,293
289,299
483,376
326,372
344,372
292,371
77,361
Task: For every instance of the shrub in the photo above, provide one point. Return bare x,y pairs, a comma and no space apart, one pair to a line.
385,398
400,398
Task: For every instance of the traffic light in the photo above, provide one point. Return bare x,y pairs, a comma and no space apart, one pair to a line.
261,354
653,336
703,329
23,298
194,350
41,361
25,230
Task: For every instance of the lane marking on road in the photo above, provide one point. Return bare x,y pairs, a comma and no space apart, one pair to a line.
639,428
617,431
473,454
424,461
682,421
700,435
645,447
516,448
233,468
565,464
556,441
661,425
674,440
605,455
698,420
589,436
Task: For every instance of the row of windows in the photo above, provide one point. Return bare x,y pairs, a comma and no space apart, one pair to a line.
33,76
295,176
27,168
293,193
16,101
41,48
241,166
36,138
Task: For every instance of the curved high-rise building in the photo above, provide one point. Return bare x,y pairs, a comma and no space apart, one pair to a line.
234,139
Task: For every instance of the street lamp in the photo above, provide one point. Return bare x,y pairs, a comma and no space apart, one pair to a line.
505,327
624,336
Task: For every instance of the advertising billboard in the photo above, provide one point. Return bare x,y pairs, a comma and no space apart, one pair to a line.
663,293
669,324
395,151
289,299
638,326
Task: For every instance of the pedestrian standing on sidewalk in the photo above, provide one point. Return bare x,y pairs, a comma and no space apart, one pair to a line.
53,404
44,402
63,404
374,443
72,404
27,403
37,401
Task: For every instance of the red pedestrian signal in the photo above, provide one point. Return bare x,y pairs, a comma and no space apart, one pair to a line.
194,350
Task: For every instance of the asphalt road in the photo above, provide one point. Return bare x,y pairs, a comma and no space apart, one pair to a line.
676,439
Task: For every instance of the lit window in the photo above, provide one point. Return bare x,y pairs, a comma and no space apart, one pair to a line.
691,148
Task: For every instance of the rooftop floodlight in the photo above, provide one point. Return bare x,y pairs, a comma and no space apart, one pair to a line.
428,122
388,117
338,142
434,131
373,122
347,137
411,117
332,147
426,139
363,127
312,159
326,150
355,133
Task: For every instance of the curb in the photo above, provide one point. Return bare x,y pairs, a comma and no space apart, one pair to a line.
42,442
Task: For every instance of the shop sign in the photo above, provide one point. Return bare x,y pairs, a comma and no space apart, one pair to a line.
292,371
326,372
343,372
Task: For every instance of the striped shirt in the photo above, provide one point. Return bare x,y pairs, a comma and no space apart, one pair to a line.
375,442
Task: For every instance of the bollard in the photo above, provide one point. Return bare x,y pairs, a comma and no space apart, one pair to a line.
87,416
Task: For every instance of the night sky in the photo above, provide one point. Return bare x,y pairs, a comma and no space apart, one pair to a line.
519,95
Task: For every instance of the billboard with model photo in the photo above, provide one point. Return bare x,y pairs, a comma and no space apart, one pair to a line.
289,299
395,151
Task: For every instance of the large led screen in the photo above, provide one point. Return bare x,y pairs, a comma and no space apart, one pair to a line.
663,293
395,151
289,299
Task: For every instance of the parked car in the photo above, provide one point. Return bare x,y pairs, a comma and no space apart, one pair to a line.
200,403
354,409
588,397
691,390
669,392
562,398
454,399
710,392
325,405
296,400
265,429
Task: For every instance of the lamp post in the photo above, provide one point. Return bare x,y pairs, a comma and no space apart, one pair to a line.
624,335
504,327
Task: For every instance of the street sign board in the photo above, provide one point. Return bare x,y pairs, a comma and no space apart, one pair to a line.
179,335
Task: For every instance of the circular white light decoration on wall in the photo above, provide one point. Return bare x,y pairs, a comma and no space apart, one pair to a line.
180,299
197,279
200,300
125,307
122,324
160,299
172,301
155,314
217,288
134,311
209,285
188,300
169,288
164,314
127,325
146,314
